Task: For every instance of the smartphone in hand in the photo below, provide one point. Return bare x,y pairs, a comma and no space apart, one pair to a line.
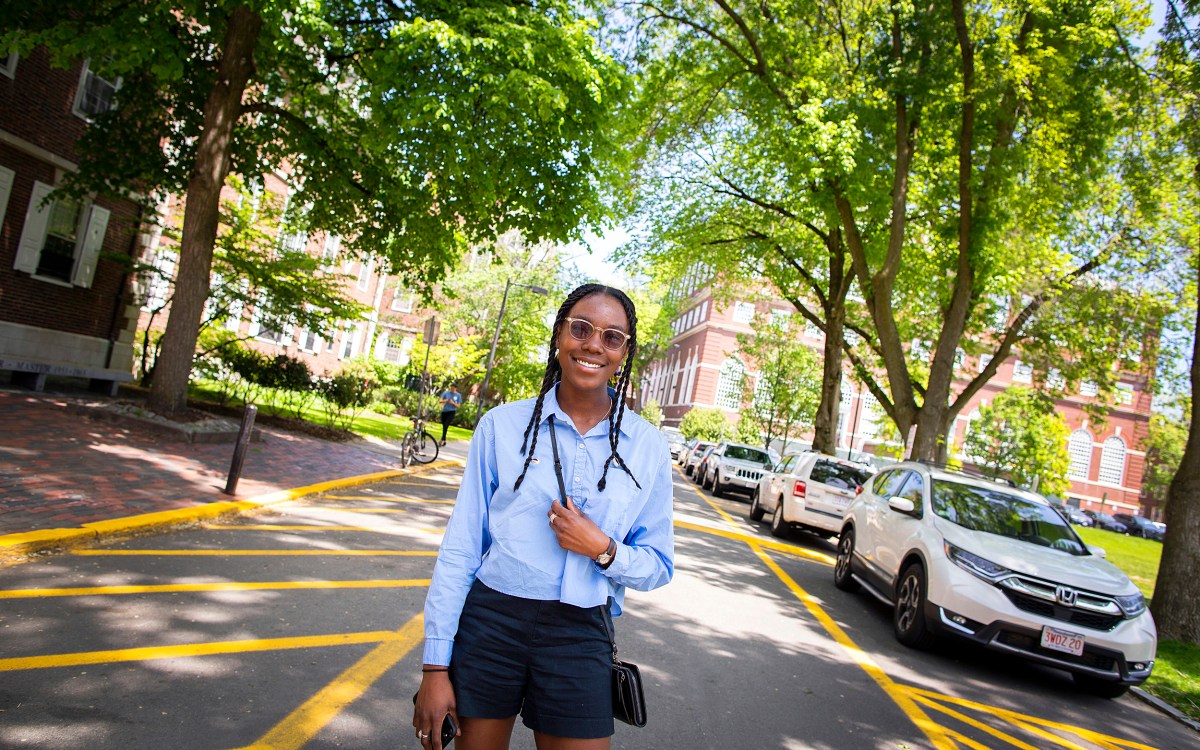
449,730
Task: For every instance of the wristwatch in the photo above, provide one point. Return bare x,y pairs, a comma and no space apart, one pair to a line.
605,558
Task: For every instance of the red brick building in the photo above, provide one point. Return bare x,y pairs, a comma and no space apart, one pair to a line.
65,308
701,367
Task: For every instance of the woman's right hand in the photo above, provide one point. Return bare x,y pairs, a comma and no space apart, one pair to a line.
435,699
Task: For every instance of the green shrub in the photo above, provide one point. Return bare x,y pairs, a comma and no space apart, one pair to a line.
345,395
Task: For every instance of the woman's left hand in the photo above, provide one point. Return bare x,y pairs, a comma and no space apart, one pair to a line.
575,531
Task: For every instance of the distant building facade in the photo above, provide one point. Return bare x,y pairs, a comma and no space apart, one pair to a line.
701,368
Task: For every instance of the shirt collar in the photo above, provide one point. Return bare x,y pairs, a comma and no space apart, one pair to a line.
550,406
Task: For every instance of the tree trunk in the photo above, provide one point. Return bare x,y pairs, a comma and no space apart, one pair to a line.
826,421
168,393
1176,603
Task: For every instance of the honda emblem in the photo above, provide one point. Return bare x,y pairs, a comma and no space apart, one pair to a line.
1065,595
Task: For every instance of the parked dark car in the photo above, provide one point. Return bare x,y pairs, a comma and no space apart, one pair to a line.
1078,517
1102,520
1139,526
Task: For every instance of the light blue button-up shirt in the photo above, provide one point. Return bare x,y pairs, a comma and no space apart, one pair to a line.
504,538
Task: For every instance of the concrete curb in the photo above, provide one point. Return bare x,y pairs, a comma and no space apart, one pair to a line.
1166,708
21,547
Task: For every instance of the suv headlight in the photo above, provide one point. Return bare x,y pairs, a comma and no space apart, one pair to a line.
1132,605
976,565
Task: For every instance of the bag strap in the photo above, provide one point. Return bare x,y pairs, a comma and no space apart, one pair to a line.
606,618
562,488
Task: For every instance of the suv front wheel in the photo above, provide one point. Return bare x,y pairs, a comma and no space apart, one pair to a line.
842,577
756,509
909,620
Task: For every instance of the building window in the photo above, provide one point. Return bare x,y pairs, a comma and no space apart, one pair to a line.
292,242
1112,461
812,330
364,275
984,361
8,65
1088,388
403,300
95,94
329,253
264,327
309,341
743,312
350,340
1055,380
781,318
1124,393
1022,372
398,350
61,239
729,385
159,278
1079,451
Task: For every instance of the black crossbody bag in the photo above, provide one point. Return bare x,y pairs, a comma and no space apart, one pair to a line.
628,700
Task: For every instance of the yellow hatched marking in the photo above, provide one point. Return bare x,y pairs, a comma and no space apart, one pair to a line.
173,588
1002,736
310,718
784,547
194,649
251,552
387,499
935,732
1030,723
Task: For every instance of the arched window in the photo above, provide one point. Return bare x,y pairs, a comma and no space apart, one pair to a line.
1112,461
729,386
1079,450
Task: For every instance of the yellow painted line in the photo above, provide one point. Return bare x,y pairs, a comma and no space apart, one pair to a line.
935,732
246,552
298,728
311,508
790,549
18,547
193,649
1014,717
175,588
898,694
998,734
297,527
388,499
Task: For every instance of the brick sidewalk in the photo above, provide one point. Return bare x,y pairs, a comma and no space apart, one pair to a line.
58,469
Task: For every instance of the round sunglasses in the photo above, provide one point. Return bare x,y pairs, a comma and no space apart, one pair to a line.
582,330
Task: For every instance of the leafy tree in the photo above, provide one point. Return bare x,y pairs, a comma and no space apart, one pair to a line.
1022,438
747,430
1176,602
1164,446
787,387
410,129
954,161
705,424
474,295
652,412
252,270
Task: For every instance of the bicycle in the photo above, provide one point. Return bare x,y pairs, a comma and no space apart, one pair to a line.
417,445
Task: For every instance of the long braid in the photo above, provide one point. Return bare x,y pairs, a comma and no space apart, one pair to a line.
618,414
552,375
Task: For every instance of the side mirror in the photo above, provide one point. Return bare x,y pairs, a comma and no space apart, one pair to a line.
1097,551
901,505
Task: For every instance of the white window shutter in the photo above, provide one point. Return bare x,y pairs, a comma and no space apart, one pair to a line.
90,244
381,345
33,235
7,177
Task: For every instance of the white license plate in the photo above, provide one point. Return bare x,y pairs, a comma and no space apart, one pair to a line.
1062,640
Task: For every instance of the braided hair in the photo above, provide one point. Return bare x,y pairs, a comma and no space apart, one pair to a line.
554,375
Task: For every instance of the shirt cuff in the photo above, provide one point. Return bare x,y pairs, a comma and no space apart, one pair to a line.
437,651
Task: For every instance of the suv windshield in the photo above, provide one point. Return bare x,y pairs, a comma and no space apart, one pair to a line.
995,512
839,475
742,453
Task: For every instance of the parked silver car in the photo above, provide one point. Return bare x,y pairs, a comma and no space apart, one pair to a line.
808,490
694,455
734,467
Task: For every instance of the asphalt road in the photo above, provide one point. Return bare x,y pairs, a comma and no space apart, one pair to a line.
302,628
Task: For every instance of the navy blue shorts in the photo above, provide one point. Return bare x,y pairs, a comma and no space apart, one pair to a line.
551,662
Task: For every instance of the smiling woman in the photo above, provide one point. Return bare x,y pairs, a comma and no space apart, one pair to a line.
517,553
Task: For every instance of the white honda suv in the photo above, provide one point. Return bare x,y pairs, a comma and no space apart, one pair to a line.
963,556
